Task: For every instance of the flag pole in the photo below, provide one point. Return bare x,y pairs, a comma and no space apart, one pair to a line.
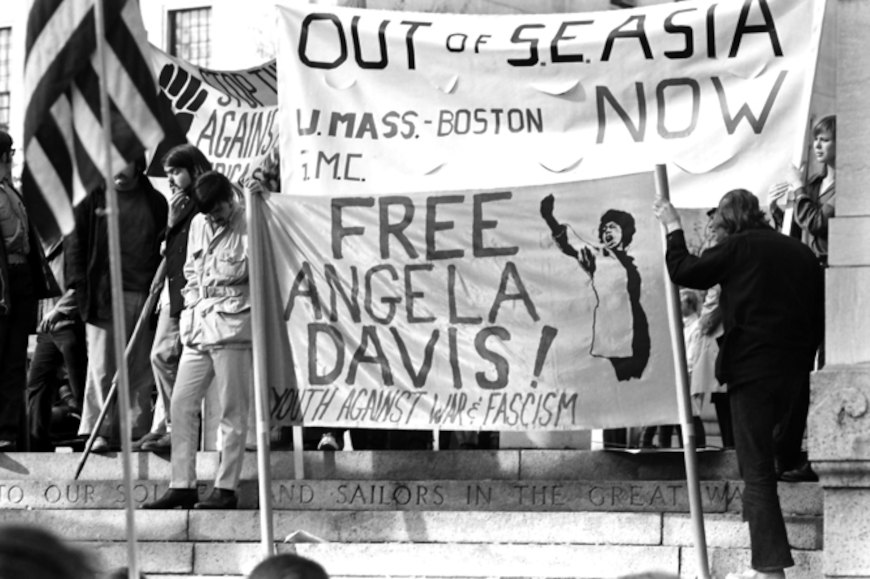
678,347
258,326
117,295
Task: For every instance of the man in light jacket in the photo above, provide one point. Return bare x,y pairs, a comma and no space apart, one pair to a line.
216,330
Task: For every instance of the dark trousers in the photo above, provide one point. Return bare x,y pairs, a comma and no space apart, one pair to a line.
757,406
63,347
723,417
789,432
15,328
665,433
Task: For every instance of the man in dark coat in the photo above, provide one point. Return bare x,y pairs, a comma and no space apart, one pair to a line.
182,165
142,216
773,314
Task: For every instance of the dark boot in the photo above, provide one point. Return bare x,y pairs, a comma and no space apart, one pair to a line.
219,499
803,473
174,499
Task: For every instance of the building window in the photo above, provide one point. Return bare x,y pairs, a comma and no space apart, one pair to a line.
189,35
5,43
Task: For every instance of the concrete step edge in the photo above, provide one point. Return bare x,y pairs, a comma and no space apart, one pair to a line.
456,561
421,495
225,527
386,464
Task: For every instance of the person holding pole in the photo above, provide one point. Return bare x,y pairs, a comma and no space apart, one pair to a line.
182,165
142,215
215,328
771,288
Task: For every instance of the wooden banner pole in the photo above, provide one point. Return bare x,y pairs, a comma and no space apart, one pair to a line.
117,296
684,399
258,324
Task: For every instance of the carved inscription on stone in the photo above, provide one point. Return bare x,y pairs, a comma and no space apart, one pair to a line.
495,495
74,494
447,495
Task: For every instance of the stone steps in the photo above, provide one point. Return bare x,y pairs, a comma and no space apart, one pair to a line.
429,544
535,496
419,514
402,465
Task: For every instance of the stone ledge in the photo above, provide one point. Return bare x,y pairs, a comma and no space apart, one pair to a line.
439,495
429,527
715,465
426,465
393,495
808,564
337,526
450,560
390,464
162,557
794,498
105,525
730,532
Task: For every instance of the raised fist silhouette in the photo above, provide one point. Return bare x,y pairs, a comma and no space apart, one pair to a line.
181,95
183,92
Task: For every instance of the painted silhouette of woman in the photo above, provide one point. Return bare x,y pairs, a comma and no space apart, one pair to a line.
620,330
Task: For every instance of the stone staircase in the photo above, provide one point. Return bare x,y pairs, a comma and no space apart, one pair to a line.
474,513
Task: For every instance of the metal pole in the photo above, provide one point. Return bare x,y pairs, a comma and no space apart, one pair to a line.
298,457
678,346
258,324
117,295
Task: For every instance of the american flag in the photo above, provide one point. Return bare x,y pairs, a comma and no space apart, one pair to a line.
64,148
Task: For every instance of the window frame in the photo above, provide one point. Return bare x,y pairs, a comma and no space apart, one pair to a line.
5,76
189,34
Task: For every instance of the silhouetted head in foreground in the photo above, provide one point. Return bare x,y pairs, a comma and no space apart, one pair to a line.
288,566
33,553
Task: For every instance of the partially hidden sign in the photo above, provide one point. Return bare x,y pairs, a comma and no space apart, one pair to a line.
231,116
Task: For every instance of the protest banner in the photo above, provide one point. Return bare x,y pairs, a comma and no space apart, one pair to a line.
418,147
400,102
526,308
231,116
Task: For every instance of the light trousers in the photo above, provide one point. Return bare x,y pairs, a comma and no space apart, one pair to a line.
232,372
101,370
165,357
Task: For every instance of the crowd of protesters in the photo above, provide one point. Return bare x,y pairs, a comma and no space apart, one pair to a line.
762,324
62,293
199,331
73,363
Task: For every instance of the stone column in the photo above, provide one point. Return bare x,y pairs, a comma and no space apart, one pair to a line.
839,422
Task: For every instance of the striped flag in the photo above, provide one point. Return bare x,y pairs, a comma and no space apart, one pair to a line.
64,148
